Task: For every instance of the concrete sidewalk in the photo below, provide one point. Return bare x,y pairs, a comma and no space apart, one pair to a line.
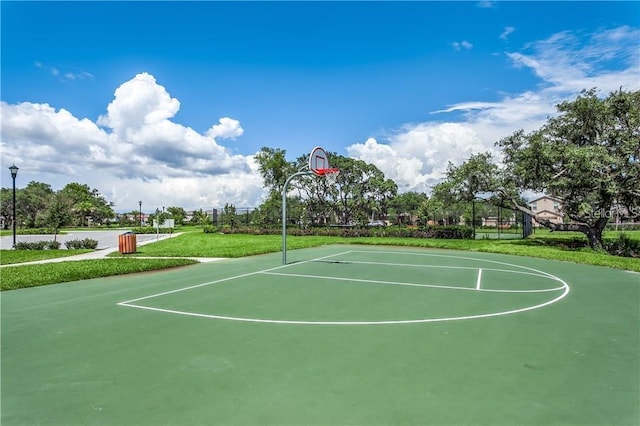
102,253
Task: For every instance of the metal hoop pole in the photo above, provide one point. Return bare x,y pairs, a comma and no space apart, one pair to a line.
284,212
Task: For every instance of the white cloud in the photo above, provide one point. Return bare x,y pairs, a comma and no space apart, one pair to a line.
65,76
416,156
133,152
486,4
227,129
459,45
507,31
139,102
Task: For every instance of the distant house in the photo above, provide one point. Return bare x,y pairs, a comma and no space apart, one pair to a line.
547,207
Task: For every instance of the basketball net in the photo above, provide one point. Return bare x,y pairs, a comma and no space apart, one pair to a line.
331,175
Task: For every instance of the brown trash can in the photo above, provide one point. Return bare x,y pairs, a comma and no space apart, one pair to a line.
127,243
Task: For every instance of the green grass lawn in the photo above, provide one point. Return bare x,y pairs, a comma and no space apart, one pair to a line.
9,257
199,244
14,277
195,243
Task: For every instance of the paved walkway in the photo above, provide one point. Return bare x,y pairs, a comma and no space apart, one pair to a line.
104,252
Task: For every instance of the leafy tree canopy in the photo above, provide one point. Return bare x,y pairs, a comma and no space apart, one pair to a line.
588,156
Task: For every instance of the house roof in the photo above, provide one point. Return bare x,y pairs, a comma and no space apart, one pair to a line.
548,197
548,212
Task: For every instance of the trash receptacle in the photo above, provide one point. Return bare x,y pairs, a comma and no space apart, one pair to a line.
127,243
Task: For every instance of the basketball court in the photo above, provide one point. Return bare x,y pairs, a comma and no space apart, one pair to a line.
335,335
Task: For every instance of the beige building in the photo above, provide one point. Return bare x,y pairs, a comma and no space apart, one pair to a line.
547,207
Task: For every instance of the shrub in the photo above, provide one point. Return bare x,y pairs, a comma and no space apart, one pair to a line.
448,232
211,229
152,230
623,226
87,243
35,231
53,245
38,245
623,246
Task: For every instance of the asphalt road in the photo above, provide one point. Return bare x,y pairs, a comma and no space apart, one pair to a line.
106,239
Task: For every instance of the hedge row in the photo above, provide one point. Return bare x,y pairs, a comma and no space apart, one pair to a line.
152,230
623,226
35,231
38,245
439,232
87,243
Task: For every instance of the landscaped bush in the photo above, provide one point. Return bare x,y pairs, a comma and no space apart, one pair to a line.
35,231
152,230
440,232
623,227
38,245
623,246
449,232
87,243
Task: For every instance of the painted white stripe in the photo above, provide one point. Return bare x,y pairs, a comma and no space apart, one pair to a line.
224,279
444,287
536,271
564,287
358,280
473,268
390,322
479,280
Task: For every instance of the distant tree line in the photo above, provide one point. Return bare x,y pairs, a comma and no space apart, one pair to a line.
39,206
588,156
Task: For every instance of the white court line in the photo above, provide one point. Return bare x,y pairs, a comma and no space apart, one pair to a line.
444,287
564,287
536,271
479,280
473,268
128,302
391,322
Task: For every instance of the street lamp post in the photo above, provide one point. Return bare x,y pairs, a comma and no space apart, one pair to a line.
14,173
140,204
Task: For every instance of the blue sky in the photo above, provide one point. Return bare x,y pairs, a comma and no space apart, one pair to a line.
167,102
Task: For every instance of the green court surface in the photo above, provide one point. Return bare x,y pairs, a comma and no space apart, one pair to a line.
341,335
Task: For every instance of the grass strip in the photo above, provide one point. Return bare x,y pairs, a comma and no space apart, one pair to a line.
15,277
199,244
10,257
515,248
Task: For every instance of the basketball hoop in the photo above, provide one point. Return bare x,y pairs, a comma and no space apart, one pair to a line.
330,174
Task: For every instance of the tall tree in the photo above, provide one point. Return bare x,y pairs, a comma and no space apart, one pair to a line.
274,168
445,205
177,214
407,205
200,217
86,203
32,202
361,190
57,215
229,215
588,156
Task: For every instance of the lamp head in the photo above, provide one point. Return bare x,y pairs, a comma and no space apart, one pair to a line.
14,171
